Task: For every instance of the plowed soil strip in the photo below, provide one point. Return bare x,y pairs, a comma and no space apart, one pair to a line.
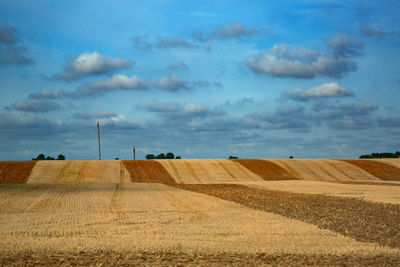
379,169
265,169
147,171
368,183
15,171
361,220
112,258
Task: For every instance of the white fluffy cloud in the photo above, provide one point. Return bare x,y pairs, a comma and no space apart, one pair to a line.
287,61
94,63
325,90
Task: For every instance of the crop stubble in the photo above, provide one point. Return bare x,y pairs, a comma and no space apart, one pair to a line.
129,217
205,171
364,221
380,169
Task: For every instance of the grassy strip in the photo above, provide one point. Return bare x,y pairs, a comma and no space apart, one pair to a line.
267,170
16,172
364,221
378,169
110,258
147,171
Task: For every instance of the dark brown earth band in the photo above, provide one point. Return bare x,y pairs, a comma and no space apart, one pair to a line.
267,170
147,171
378,169
361,220
110,258
16,172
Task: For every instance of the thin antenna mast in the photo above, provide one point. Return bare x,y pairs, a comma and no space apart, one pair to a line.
98,135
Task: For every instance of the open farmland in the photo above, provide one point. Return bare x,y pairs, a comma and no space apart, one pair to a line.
199,212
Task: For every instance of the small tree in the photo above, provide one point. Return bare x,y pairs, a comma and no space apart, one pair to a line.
40,157
61,157
178,157
49,158
170,155
160,156
150,156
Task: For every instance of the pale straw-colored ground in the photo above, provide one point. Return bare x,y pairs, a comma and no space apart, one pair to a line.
374,193
207,171
323,170
78,171
152,217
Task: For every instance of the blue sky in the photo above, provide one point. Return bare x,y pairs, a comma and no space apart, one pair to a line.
203,79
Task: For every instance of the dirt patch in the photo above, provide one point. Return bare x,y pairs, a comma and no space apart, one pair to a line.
15,171
265,169
147,171
111,258
364,221
379,169
369,183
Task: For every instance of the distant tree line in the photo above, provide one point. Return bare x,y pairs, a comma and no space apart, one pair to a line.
381,155
43,157
233,157
169,155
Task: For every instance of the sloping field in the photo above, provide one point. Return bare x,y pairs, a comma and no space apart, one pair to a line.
394,162
267,170
15,171
205,171
364,221
147,171
119,218
79,171
323,170
383,171
373,192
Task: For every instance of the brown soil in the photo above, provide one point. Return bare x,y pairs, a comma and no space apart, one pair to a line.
265,169
111,258
15,171
148,171
364,221
379,169
369,183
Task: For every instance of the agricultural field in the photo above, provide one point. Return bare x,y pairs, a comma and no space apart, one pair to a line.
200,212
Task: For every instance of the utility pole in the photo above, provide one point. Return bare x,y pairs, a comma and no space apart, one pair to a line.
98,135
134,153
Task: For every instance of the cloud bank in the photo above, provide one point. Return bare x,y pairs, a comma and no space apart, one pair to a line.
283,60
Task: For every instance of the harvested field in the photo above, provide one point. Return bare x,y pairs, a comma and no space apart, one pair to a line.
205,171
69,213
15,171
323,170
63,219
147,171
364,221
179,258
386,172
375,192
394,162
267,170
78,171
